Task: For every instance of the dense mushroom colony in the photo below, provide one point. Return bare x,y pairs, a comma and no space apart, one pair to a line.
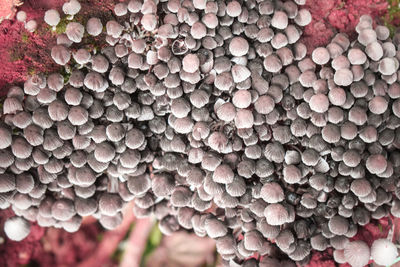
210,116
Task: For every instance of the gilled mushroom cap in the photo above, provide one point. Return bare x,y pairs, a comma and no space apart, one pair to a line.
94,81
276,214
17,228
78,115
233,9
82,56
223,174
7,182
60,54
361,187
272,193
149,22
12,105
376,164
338,225
215,228
238,46
357,253
75,31
244,119
21,148
71,7
5,137
110,204
114,29
52,17
240,73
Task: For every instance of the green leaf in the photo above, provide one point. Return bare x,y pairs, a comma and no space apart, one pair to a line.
154,240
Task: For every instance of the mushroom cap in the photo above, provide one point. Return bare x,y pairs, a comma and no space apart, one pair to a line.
320,56
75,31
383,252
78,115
81,56
52,17
357,253
319,103
272,193
21,16
303,17
7,182
17,228
240,73
233,9
60,54
111,222
5,137
244,119
63,209
238,46
276,214
343,77
149,22
110,204
94,81
134,138
388,66
374,51
71,7
94,26
378,105
279,20
190,63
376,164
215,228
241,99
356,56
361,187
272,63
31,25
104,152
338,225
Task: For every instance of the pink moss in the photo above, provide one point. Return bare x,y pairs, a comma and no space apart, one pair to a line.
332,16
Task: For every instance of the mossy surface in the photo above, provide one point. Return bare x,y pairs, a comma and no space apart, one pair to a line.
392,18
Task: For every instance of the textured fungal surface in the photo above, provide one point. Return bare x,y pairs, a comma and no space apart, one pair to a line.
212,117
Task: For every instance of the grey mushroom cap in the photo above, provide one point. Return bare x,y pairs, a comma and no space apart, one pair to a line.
5,137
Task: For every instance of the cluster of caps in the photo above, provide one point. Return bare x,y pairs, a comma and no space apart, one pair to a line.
250,142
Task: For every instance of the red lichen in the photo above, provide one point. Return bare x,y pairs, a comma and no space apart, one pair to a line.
331,16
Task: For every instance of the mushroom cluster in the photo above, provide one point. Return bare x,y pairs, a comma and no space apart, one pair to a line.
210,117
